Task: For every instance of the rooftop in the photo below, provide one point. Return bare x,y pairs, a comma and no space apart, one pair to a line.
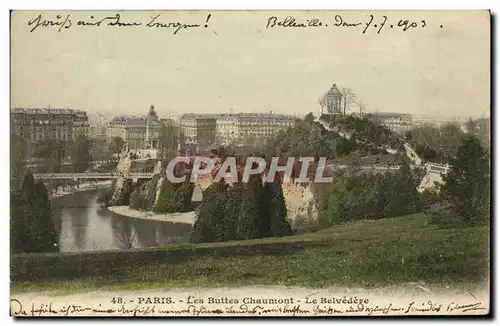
47,111
238,116
334,91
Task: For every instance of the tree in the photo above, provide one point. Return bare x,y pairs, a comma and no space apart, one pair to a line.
18,155
343,146
183,195
354,159
116,145
309,118
81,154
467,185
371,196
166,202
232,209
471,126
47,240
18,236
276,208
401,193
450,136
251,217
32,224
125,235
209,224
52,152
168,139
322,104
362,109
348,98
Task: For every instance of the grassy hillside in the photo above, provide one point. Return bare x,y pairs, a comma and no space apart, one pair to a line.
361,254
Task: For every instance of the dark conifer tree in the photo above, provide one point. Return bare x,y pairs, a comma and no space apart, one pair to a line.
252,223
209,225
232,211
278,223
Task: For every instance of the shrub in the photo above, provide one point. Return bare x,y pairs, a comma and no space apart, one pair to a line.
442,216
368,196
174,197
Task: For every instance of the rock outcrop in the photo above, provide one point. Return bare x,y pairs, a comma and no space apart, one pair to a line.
300,198
300,203
146,192
123,186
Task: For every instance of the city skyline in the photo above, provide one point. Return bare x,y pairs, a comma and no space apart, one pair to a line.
285,71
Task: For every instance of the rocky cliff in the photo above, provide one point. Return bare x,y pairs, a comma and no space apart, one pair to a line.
301,199
300,203
124,184
147,191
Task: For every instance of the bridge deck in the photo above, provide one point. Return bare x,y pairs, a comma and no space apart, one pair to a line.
89,175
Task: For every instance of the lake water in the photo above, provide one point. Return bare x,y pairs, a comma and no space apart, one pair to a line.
84,225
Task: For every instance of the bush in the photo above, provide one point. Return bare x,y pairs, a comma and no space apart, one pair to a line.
442,216
175,197
303,224
374,196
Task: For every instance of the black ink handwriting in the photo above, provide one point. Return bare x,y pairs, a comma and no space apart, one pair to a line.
176,26
372,22
290,21
414,307
39,21
63,23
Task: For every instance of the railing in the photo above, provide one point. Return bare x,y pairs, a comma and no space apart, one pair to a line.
94,163
438,168
90,175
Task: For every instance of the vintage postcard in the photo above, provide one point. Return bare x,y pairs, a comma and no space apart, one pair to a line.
250,163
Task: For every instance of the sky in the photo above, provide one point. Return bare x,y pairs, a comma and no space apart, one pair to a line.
236,63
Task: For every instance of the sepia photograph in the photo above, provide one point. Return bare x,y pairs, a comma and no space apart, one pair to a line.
250,163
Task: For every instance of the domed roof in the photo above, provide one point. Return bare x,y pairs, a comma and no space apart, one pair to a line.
152,114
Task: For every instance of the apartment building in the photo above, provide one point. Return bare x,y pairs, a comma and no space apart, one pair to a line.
397,122
254,126
237,128
198,129
47,123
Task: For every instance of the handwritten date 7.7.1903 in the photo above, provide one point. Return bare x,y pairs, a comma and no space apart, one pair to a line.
373,23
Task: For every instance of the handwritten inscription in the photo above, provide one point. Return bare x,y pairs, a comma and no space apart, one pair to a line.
61,23
248,306
371,23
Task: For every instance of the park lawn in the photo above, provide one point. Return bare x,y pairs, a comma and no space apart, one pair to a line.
361,254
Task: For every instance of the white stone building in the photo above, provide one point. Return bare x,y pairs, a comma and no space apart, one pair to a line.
138,132
397,122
